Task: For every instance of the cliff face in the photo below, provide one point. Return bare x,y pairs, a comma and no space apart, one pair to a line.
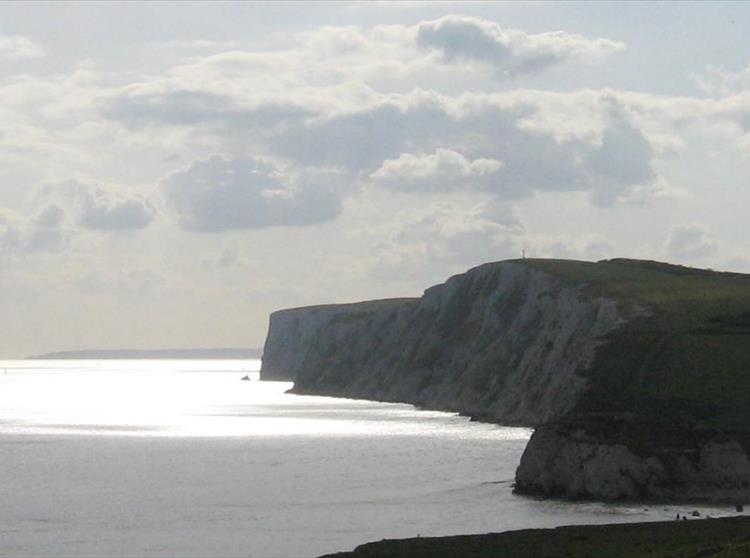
502,342
635,372
295,336
580,462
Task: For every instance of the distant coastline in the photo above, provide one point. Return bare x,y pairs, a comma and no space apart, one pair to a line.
104,354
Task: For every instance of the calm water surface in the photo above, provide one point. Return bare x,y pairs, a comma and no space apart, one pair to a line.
164,458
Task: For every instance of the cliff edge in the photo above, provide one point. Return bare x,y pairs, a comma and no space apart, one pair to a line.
635,372
503,342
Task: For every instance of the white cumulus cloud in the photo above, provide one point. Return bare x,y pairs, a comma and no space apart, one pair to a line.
442,237
444,169
19,47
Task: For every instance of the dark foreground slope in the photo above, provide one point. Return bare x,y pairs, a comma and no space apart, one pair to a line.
704,538
636,373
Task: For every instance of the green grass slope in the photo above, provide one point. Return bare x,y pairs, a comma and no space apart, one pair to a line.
685,361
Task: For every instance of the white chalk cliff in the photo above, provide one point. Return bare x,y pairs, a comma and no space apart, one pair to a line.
509,343
502,342
576,462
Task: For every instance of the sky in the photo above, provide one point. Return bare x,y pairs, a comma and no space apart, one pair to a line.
171,173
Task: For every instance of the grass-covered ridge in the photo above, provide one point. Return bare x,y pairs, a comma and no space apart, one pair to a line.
685,358
706,538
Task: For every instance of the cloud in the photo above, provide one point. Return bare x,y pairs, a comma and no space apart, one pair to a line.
313,105
690,242
66,208
171,107
195,45
133,282
578,247
19,47
100,207
218,194
444,169
321,101
622,160
189,107
491,148
230,256
738,264
43,233
331,68
510,51
443,237
104,210
590,141
51,216
717,80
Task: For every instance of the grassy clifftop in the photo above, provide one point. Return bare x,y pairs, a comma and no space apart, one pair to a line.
685,358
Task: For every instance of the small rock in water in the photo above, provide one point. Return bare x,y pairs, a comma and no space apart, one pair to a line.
246,378
740,508
696,513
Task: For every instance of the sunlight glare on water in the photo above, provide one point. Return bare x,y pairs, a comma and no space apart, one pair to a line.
182,458
190,398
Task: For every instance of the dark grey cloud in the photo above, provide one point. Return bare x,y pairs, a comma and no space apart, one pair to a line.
46,232
362,140
623,159
424,144
464,38
219,194
43,233
416,143
102,210
511,52
51,216
172,107
486,148
187,107
77,206
230,256
97,207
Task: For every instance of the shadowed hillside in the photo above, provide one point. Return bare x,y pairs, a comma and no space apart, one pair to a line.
687,361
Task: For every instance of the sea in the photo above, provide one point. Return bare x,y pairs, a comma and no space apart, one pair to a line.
185,458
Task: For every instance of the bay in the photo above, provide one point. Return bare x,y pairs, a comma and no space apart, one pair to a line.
164,458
